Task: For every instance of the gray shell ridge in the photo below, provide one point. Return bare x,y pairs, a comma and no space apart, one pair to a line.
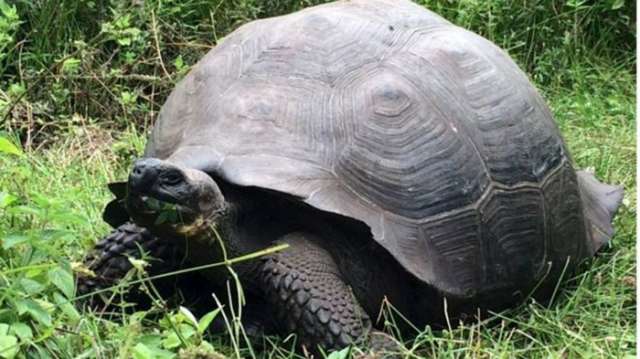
385,112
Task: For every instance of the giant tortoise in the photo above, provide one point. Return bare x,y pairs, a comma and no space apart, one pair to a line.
402,159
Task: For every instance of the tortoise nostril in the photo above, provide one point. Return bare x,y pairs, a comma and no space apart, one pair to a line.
142,176
139,168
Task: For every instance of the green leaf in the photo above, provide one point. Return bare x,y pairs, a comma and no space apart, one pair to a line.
35,271
340,354
4,329
8,346
17,89
31,286
617,4
128,98
66,307
576,3
62,279
6,199
179,63
21,330
171,341
9,12
151,347
35,310
141,351
138,264
192,319
70,65
144,350
12,240
8,147
205,321
151,340
124,41
187,330
163,217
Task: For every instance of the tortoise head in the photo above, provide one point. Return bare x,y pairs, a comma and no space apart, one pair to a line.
173,200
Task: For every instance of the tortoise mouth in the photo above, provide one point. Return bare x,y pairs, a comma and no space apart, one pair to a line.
160,210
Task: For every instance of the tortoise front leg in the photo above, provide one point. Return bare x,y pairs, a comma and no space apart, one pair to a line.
304,286
109,260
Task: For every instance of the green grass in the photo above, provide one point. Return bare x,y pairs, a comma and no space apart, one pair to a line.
79,133
593,316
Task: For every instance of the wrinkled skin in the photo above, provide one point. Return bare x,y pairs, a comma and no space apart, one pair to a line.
302,287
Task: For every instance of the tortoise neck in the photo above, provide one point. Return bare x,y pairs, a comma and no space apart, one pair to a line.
223,241
219,231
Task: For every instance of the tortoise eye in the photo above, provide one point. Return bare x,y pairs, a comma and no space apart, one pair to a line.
172,178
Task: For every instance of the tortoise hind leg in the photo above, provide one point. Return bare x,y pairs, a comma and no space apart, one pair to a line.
304,286
600,202
109,260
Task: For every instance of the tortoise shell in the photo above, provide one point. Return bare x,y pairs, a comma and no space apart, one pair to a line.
386,113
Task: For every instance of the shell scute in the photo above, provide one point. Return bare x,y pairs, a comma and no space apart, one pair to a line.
386,113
